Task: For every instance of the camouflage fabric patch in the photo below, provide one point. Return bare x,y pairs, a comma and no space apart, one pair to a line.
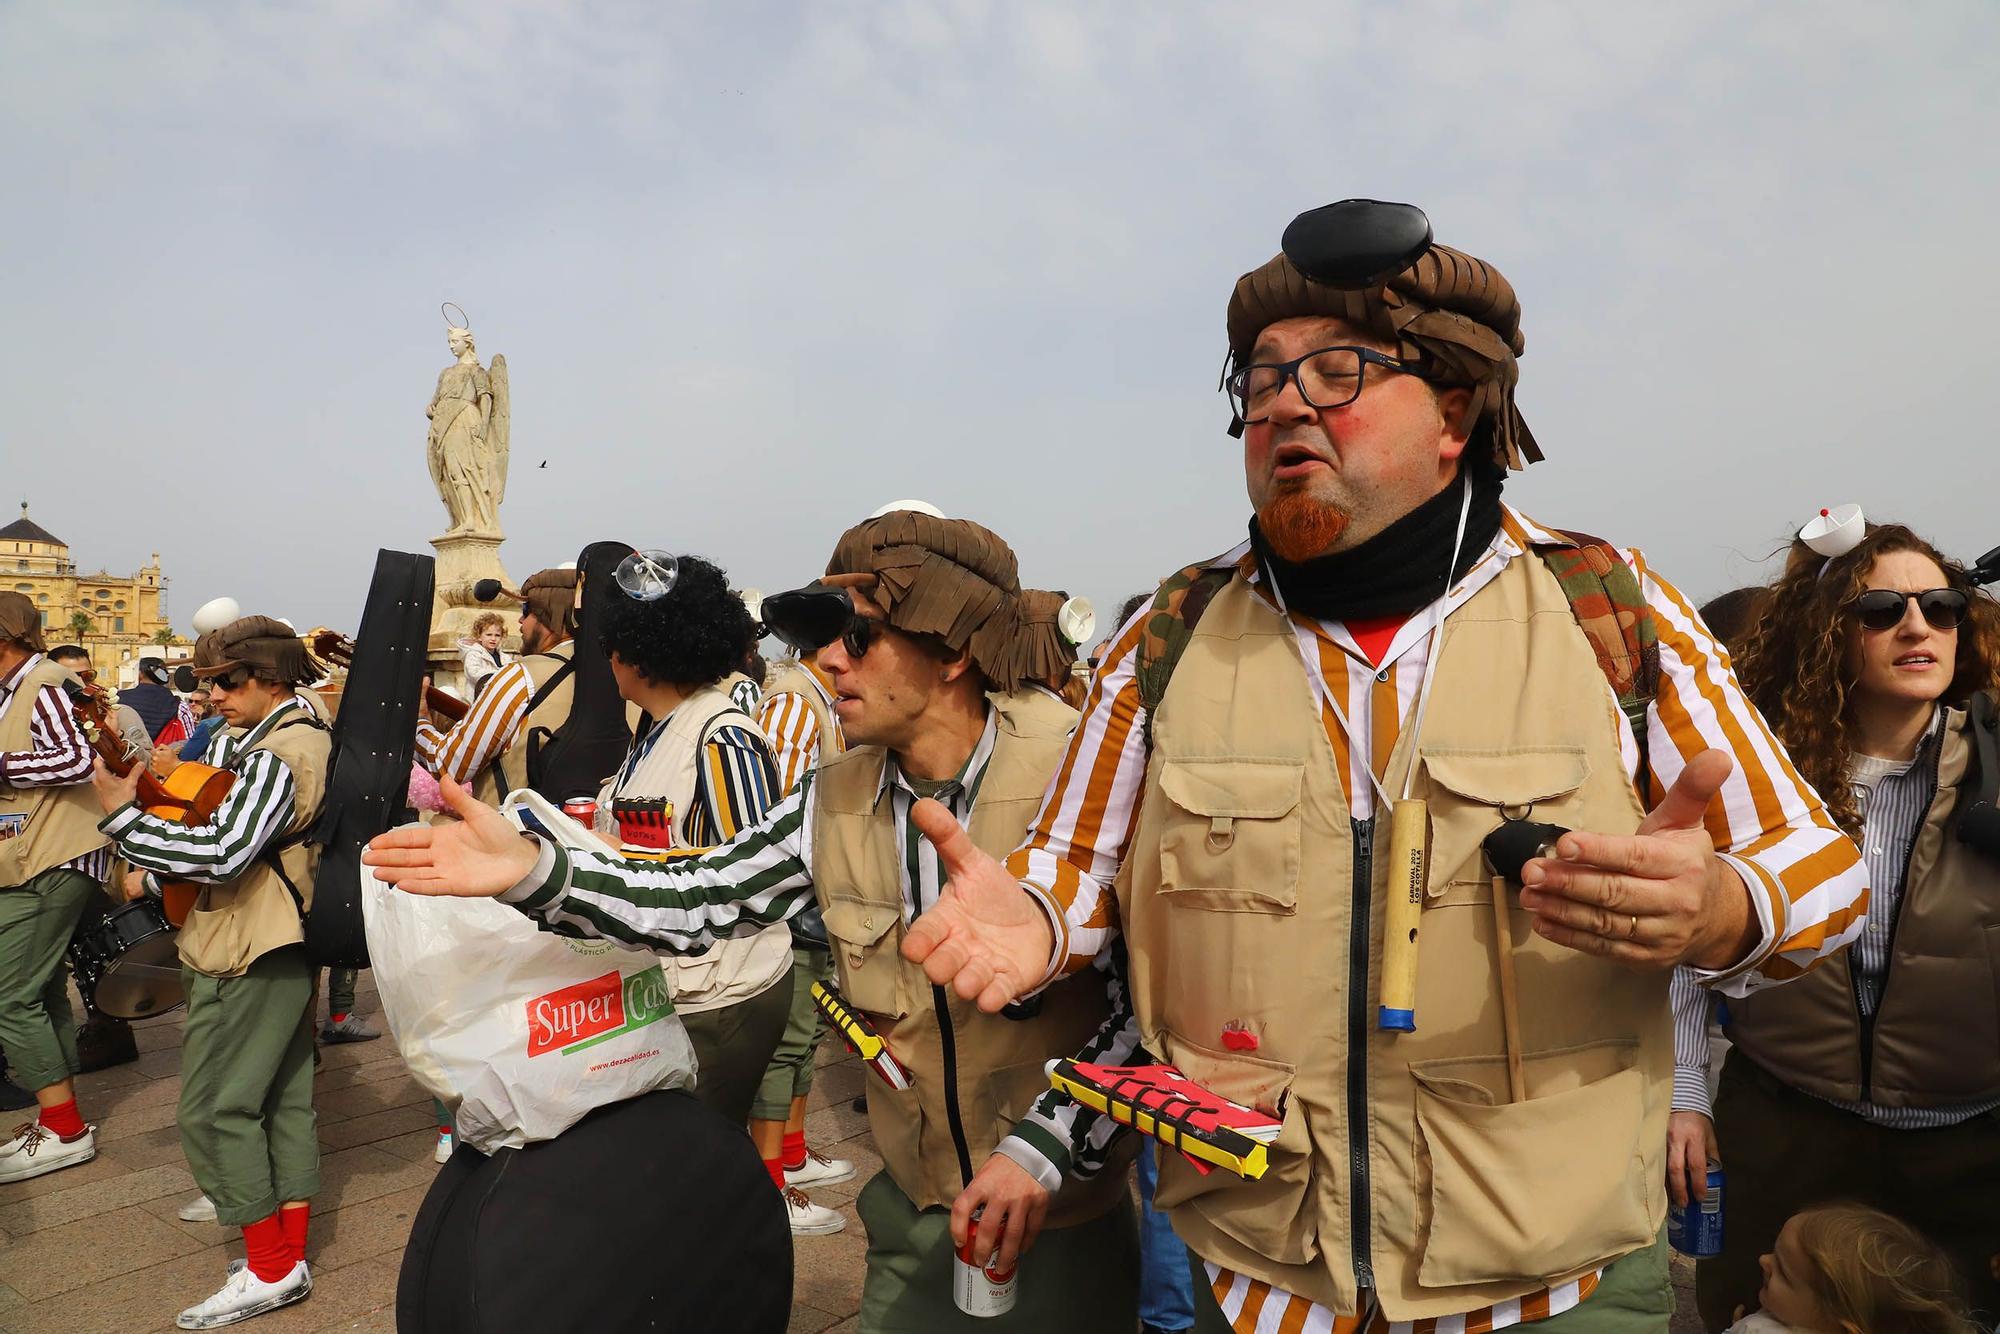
1168,626
1611,610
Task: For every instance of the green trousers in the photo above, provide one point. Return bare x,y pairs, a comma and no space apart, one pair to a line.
732,1049
790,1074
1083,1279
246,1111
1635,1296
37,1030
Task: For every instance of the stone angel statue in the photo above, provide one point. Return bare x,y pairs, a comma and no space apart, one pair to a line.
470,422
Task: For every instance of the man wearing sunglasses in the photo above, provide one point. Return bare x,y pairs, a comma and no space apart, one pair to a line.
246,1111
1394,665
917,628
482,750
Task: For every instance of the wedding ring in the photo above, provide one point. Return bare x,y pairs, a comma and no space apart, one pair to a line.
1634,932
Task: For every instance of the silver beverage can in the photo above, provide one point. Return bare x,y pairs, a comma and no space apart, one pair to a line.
977,1291
1695,1228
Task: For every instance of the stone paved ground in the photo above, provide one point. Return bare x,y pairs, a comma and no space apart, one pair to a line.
97,1249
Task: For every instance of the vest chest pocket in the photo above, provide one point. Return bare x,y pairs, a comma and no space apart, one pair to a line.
1229,841
1472,792
865,951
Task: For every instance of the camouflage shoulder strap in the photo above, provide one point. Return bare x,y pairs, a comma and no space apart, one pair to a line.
1168,627
1612,612
1602,591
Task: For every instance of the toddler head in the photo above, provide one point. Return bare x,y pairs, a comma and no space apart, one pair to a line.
1848,1269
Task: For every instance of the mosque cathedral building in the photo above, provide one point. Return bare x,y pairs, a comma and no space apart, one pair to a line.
118,618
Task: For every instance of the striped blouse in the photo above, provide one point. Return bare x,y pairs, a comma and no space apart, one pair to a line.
489,727
1805,879
1895,796
58,755
789,722
257,809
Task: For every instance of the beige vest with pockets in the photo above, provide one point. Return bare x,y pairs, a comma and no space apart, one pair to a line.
61,823
997,1063
1238,903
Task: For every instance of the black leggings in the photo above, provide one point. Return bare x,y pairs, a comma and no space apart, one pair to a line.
653,1213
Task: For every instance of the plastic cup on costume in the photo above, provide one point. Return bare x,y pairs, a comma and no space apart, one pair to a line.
647,575
977,1291
1835,532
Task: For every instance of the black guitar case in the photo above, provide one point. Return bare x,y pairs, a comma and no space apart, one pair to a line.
574,759
374,740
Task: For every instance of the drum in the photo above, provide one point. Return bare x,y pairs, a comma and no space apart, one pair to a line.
128,963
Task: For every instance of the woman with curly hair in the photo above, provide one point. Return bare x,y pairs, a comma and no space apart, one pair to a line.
1877,1075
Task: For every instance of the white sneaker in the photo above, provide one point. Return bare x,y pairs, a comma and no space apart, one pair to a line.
809,1219
819,1170
238,1266
244,1295
442,1154
35,1152
200,1209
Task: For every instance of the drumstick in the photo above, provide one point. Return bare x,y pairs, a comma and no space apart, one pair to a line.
1510,997
1398,1008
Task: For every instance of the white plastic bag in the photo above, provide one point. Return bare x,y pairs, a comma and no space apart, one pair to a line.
520,1031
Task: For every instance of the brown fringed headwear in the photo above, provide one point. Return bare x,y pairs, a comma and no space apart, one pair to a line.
551,596
1049,656
949,578
1455,313
269,648
21,622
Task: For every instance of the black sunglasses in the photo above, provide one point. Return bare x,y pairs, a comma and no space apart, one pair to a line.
1884,608
233,679
807,619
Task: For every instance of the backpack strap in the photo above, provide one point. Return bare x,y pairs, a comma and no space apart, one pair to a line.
1613,613
1169,625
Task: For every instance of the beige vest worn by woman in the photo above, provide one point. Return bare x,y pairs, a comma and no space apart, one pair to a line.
509,769
236,923
61,823
1402,1162
1934,1039
793,678
731,971
974,1075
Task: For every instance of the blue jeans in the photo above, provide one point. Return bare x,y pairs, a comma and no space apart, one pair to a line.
1166,1285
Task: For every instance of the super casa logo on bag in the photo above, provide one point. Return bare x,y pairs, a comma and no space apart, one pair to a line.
587,1013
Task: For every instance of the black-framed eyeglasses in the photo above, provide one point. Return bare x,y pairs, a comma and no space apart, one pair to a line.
1884,608
1327,377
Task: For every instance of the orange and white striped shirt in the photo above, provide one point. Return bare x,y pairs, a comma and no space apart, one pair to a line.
793,729
489,727
1806,879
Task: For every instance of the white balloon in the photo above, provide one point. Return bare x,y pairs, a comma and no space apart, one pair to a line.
216,613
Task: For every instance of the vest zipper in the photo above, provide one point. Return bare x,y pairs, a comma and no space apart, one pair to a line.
948,1043
1357,1047
1889,948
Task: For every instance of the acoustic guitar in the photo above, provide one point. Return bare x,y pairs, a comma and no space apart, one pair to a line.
190,795
333,647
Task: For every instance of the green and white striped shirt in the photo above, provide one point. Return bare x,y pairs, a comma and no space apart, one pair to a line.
764,875
257,810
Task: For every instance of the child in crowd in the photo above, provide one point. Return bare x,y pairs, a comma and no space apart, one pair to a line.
1848,1269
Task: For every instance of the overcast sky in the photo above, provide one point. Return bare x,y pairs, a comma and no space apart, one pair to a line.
758,268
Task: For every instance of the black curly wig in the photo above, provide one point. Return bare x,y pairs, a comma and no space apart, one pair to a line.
694,636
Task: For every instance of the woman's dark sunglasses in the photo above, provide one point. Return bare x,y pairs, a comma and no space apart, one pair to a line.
1884,608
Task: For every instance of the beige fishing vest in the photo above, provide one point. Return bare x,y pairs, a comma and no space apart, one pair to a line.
1240,912
235,923
509,769
1934,1040
730,971
61,822
974,1075
795,678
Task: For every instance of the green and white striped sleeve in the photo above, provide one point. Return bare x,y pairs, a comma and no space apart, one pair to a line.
257,810
688,901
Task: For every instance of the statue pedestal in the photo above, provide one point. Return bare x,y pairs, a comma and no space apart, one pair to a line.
462,561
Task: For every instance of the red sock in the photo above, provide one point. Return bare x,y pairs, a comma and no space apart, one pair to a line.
264,1246
336,1018
777,1170
62,1120
795,1149
292,1218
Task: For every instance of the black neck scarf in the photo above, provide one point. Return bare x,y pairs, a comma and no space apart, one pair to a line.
1399,570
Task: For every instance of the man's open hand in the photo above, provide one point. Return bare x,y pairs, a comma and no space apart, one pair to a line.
479,857
984,937
1656,898
1011,1205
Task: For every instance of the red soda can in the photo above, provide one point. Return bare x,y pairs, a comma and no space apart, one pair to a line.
981,1292
583,810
